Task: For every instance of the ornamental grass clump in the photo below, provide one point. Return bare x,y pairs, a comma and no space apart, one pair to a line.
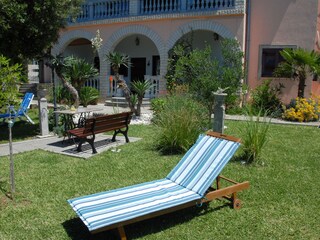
302,110
180,122
254,137
89,95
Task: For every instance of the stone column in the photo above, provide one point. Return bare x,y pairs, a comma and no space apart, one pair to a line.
219,112
43,113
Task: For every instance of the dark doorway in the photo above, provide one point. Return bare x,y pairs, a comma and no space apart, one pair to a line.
155,65
138,69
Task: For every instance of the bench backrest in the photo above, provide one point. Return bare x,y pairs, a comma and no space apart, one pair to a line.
107,122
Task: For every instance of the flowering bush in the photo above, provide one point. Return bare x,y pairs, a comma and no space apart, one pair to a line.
303,110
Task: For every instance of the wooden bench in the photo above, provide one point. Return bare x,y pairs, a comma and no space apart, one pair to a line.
114,122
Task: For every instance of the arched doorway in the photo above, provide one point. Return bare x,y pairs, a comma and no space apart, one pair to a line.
82,48
199,39
144,62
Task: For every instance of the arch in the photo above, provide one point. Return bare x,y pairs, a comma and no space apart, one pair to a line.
119,35
68,37
123,32
199,25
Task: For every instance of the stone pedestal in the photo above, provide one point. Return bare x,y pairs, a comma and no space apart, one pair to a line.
43,113
219,112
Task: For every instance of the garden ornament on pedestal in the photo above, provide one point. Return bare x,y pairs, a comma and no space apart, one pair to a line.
219,110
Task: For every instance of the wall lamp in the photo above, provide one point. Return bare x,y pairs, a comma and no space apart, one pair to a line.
216,36
137,41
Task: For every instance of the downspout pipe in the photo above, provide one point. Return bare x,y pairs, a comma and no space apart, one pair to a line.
247,39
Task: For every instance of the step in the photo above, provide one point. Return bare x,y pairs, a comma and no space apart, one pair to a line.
121,102
28,87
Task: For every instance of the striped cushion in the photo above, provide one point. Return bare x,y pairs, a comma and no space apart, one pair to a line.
106,208
203,163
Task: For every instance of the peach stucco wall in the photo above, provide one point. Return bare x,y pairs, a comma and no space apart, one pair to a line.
163,32
165,27
285,22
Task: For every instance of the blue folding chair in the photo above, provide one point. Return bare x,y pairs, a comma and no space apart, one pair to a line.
188,184
21,112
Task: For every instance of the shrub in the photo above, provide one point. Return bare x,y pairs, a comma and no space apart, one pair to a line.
302,110
157,105
180,122
89,95
266,98
204,74
255,136
63,95
140,87
10,77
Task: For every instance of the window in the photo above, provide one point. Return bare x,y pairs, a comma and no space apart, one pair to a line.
270,58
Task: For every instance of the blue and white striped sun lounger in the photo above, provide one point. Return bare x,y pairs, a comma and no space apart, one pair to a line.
186,185
22,111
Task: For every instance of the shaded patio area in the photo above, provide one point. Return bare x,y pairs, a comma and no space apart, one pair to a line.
67,146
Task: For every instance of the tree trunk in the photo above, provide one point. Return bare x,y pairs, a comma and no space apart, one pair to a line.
138,112
71,89
302,85
126,91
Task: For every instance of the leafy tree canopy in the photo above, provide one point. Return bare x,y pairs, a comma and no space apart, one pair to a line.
10,76
28,28
204,74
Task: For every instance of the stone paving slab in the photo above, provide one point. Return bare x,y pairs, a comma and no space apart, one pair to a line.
66,147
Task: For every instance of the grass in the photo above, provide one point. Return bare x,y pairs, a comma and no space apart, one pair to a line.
21,129
282,202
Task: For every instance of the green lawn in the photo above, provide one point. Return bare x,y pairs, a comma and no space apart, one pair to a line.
21,129
282,202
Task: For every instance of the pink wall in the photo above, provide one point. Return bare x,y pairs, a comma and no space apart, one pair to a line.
285,22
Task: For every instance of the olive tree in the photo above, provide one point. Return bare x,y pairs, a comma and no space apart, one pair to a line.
205,74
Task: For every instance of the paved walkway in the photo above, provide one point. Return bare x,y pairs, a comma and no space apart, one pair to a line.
66,147
274,120
55,144
103,142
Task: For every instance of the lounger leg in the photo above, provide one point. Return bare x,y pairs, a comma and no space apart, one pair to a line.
236,203
28,118
218,182
122,233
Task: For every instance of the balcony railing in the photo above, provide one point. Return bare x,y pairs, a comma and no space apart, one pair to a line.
94,82
93,10
96,10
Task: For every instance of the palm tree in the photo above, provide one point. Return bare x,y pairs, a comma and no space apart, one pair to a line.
59,65
73,73
140,87
78,71
117,60
298,64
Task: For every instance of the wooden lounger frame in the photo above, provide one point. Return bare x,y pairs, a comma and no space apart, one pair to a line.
229,193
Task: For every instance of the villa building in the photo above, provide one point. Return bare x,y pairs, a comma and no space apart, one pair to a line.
146,30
